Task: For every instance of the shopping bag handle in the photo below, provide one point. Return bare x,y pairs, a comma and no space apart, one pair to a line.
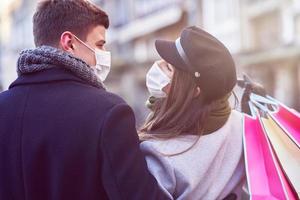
256,94
250,87
260,99
263,103
253,110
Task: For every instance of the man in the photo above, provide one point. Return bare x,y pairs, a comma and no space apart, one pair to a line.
62,135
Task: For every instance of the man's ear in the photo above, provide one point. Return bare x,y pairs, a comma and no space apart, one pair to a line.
67,42
197,91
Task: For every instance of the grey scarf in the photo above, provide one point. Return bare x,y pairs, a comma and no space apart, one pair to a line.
46,57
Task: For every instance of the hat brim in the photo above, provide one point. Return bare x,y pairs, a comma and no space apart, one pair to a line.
168,52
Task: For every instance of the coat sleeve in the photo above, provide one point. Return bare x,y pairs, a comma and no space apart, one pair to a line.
124,170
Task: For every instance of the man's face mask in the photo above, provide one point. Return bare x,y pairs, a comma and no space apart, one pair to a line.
156,80
103,61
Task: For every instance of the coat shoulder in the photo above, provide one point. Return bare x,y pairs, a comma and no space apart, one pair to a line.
102,96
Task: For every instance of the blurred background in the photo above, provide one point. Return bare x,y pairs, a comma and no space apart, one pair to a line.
262,35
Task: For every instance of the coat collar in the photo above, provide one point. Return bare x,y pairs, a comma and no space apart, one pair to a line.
51,75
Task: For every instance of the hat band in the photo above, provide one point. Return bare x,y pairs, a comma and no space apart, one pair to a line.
181,52
184,57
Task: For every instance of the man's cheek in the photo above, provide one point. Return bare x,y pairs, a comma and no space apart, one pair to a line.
92,60
89,58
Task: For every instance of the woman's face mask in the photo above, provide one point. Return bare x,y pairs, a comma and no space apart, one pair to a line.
158,78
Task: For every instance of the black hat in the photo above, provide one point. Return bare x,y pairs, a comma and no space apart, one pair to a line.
205,57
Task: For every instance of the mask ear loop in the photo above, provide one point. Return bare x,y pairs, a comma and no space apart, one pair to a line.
84,43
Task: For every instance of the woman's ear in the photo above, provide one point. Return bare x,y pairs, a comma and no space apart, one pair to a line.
197,92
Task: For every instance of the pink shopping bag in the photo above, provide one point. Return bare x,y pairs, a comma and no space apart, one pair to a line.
265,177
288,120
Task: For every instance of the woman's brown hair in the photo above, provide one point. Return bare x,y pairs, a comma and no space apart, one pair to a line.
182,112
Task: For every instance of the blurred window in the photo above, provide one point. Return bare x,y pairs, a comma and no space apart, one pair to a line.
266,30
225,10
146,7
122,13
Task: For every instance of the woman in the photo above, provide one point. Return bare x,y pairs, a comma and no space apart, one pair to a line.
193,139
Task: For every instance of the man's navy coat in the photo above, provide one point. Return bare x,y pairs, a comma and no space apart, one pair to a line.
63,139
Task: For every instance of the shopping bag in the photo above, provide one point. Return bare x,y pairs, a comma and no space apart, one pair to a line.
288,119
286,150
281,126
265,178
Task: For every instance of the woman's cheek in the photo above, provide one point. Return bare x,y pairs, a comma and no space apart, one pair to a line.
166,89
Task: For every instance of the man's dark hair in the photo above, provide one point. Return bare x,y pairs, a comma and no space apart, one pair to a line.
53,17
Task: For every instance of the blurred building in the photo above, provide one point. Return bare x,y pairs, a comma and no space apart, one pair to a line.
16,35
270,50
263,36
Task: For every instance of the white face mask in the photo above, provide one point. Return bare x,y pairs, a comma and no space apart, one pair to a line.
156,80
103,61
103,64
